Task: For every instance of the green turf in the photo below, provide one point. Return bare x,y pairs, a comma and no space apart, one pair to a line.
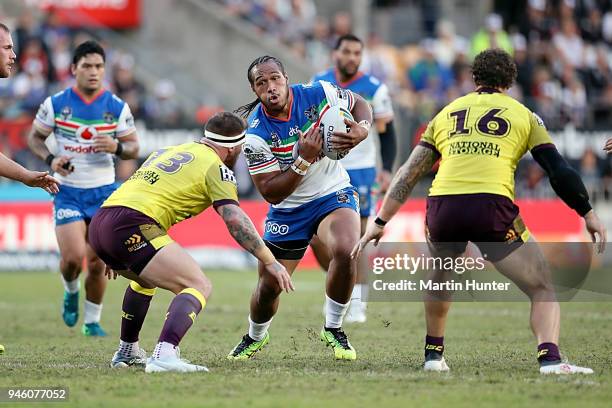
489,348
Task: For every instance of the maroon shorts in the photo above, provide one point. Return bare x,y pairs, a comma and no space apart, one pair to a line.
491,221
125,238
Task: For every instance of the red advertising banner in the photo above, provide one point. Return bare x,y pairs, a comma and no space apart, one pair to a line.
95,13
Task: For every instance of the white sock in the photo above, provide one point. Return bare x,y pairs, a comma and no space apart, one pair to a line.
257,331
163,349
92,312
356,294
127,349
71,286
359,294
334,313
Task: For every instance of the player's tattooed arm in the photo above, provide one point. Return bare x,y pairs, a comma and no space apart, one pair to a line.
419,163
241,228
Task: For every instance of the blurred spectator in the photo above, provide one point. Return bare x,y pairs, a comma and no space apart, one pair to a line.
569,45
589,170
492,36
318,45
448,45
573,98
524,65
126,86
535,24
533,184
299,21
342,25
381,60
591,28
546,93
429,76
162,109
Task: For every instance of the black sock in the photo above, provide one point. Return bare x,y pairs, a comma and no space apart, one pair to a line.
548,353
434,347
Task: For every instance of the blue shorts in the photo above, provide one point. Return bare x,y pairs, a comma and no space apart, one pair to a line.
75,204
288,231
363,180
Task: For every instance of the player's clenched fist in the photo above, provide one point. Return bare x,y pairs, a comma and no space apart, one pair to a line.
105,144
62,165
348,140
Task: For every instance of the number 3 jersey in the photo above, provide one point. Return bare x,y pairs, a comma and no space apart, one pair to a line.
481,137
176,183
75,122
272,143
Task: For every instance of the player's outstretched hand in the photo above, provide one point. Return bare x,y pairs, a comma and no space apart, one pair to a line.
43,180
373,232
596,229
350,139
281,275
104,144
310,144
608,146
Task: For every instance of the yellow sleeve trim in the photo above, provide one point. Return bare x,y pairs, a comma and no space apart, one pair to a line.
139,289
196,294
161,241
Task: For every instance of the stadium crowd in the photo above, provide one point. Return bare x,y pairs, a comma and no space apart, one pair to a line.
562,49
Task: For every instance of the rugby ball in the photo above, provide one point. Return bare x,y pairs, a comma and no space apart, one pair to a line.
332,120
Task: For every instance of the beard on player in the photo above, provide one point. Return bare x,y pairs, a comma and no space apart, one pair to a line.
347,69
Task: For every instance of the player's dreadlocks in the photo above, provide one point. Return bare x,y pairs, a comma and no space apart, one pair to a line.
245,110
494,68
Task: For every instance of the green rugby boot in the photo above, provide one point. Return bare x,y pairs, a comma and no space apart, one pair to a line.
336,338
247,347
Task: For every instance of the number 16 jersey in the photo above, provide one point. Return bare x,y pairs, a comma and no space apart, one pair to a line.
481,137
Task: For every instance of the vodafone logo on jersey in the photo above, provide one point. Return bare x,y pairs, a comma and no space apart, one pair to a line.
79,149
86,132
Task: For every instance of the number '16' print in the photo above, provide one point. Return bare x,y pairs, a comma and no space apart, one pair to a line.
489,124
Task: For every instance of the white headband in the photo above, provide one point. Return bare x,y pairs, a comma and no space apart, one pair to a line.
225,141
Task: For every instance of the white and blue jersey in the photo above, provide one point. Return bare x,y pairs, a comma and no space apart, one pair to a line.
376,93
74,122
272,145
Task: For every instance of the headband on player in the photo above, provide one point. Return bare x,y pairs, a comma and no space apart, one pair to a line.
225,141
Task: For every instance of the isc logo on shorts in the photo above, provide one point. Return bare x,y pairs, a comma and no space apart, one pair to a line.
134,243
67,213
274,228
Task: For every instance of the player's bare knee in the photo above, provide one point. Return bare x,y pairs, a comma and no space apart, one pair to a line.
72,263
201,283
341,256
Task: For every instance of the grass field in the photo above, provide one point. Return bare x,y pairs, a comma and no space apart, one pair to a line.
488,345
